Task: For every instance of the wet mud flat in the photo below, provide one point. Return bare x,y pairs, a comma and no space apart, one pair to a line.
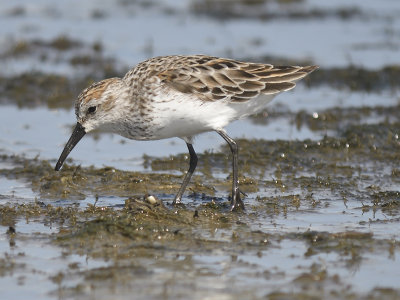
321,219
342,191
322,216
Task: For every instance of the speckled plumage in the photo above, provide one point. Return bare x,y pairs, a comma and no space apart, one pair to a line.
181,96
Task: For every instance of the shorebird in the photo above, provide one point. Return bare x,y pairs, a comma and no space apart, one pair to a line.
181,96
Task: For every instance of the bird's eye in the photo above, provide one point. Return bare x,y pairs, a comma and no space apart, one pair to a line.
91,109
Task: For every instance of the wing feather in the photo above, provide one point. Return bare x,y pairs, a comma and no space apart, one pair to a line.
214,79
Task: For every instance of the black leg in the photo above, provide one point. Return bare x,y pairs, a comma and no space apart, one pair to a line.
236,201
192,167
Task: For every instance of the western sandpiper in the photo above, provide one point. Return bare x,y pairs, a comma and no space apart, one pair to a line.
181,96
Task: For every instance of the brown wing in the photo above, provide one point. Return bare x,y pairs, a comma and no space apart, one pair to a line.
215,79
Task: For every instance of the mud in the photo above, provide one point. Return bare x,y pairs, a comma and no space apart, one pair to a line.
322,213
265,10
137,236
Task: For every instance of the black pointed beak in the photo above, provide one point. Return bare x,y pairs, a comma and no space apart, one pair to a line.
76,136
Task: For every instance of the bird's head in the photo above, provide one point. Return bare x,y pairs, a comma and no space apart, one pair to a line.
97,107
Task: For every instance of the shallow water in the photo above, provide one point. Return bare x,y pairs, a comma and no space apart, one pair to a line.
319,168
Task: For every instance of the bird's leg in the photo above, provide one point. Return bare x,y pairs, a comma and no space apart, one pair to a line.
236,201
192,167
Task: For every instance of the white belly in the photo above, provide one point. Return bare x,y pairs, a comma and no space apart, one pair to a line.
185,116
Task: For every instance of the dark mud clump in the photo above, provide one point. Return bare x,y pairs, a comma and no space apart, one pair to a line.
31,89
34,89
358,79
264,10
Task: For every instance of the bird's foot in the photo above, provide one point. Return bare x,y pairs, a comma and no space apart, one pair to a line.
236,202
178,203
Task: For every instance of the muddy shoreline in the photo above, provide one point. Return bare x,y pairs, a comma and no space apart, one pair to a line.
320,167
